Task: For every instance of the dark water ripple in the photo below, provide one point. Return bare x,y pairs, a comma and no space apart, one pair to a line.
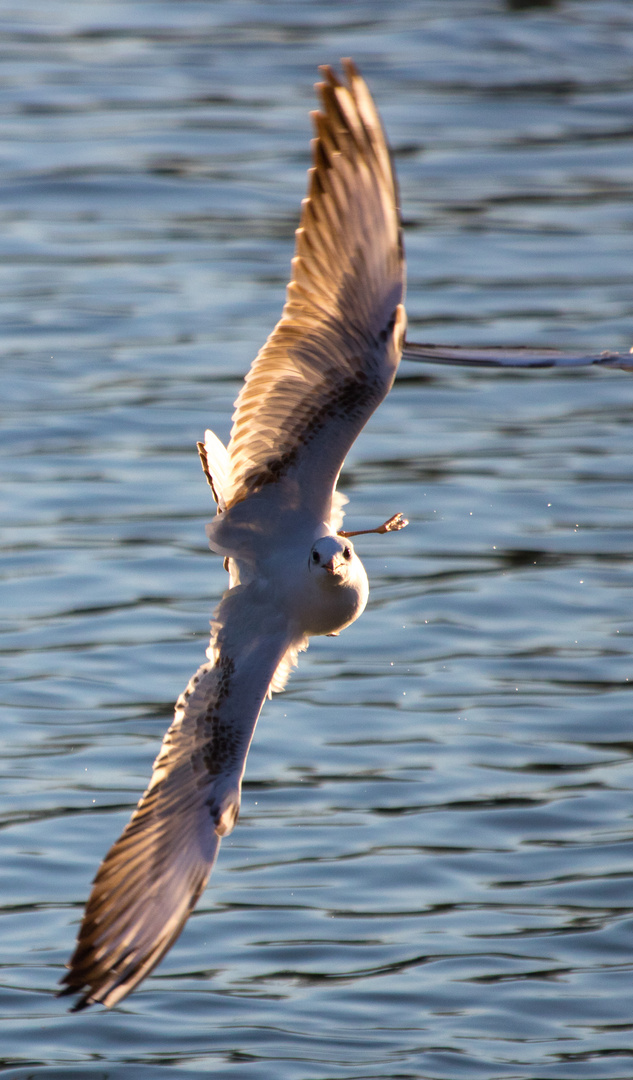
432,873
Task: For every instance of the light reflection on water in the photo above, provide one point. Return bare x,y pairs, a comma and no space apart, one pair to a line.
431,875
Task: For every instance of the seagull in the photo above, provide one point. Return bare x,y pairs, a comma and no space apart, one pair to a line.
293,571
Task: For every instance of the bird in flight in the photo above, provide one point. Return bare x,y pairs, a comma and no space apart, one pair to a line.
293,572
325,368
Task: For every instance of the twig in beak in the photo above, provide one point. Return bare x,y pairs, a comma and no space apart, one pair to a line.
394,524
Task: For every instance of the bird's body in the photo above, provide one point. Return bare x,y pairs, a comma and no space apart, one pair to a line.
293,574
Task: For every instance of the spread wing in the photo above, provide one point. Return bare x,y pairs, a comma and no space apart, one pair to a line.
497,356
333,356
152,877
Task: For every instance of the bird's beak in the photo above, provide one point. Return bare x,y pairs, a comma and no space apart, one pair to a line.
332,566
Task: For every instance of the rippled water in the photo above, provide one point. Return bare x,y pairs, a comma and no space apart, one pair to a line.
433,872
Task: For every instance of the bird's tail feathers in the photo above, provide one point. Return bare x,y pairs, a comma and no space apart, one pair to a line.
215,462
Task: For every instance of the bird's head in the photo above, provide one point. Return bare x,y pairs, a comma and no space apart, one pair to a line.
332,556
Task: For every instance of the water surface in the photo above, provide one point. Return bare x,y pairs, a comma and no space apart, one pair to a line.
432,874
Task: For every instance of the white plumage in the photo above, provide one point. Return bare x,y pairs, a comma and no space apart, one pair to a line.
327,365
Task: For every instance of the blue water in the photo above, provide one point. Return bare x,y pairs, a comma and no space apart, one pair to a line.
432,876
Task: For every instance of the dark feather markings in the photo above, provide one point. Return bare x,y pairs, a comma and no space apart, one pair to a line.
112,949
336,335
352,399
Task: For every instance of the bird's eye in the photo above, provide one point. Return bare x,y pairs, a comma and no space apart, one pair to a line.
347,553
315,556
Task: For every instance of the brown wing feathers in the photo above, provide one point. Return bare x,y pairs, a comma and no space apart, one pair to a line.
336,326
